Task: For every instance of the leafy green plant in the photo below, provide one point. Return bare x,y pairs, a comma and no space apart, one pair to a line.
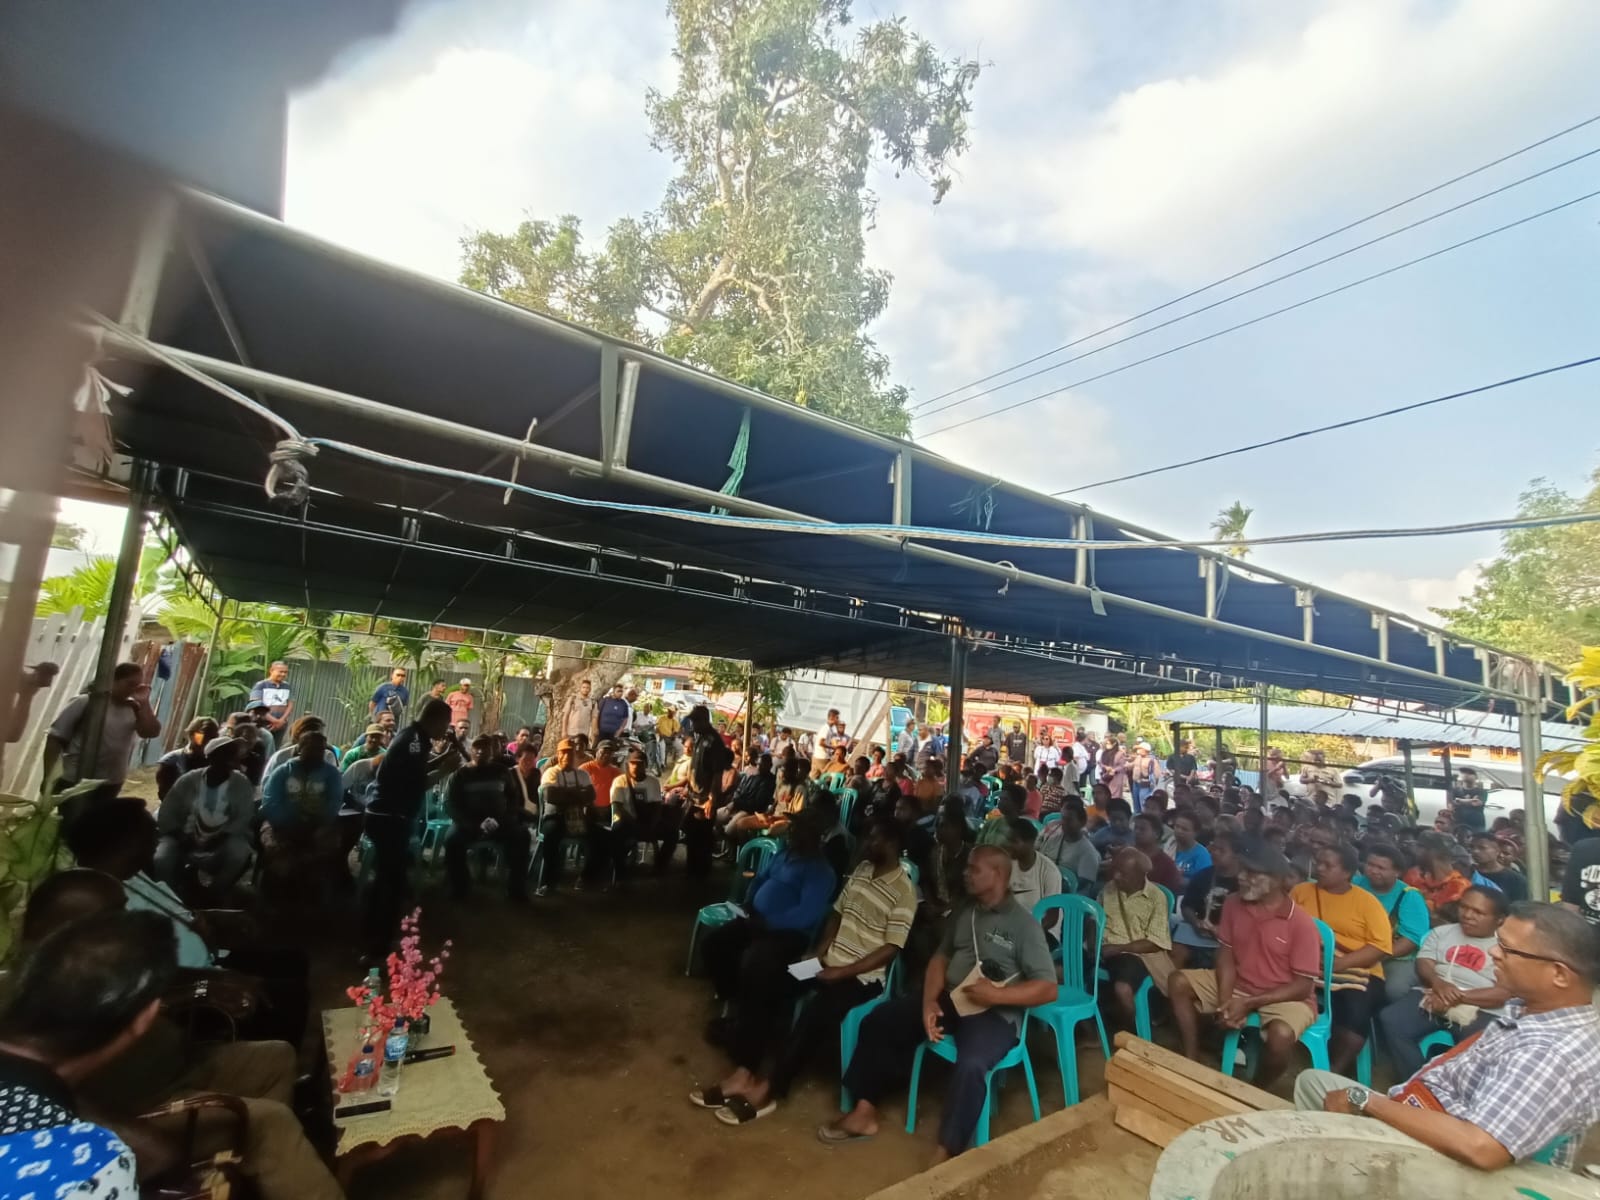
1584,761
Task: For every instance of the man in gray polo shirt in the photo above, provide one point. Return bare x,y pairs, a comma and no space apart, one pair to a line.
993,932
129,717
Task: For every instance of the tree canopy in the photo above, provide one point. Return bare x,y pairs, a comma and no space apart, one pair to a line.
753,265
1229,526
1541,594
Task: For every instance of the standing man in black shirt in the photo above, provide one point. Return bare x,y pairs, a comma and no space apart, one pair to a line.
402,783
1181,762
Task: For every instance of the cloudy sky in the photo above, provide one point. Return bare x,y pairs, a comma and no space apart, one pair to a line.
1122,154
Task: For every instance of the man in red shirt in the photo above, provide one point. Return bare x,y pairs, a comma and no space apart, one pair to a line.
461,703
1268,957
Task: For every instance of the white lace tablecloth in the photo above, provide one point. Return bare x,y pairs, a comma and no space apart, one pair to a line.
445,1093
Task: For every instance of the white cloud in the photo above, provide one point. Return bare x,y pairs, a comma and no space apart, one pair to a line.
1049,450
942,322
1414,596
445,128
1186,176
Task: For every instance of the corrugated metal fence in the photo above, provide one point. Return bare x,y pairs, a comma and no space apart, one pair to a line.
339,695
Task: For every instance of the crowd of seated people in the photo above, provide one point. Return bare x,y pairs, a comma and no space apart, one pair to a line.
1211,903
920,891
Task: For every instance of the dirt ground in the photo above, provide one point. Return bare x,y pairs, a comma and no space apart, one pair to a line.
580,1010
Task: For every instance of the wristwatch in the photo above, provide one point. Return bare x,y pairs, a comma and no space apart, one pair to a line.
1358,1097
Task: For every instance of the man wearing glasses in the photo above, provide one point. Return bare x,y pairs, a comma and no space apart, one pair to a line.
1532,1078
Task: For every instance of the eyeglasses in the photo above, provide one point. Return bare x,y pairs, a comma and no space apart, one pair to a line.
1505,949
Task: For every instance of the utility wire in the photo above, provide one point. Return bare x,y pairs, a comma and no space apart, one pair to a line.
1345,287
1305,433
1263,263
1266,283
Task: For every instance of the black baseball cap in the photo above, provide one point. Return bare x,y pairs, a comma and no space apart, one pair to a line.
1255,854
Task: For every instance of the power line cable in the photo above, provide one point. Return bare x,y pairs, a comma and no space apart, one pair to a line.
1305,433
1266,283
1345,287
1263,263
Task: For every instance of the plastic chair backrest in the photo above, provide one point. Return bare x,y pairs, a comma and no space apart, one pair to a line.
1172,901
911,869
891,977
1048,818
1036,823
753,855
1324,1009
847,802
1069,879
1075,910
992,782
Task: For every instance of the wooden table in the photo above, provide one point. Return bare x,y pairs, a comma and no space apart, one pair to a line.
447,1097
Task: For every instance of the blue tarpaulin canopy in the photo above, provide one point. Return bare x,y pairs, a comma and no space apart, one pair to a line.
358,352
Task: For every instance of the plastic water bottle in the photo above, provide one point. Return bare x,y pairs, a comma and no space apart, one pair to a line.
374,980
394,1054
364,1074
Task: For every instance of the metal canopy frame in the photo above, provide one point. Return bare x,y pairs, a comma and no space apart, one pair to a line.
1274,629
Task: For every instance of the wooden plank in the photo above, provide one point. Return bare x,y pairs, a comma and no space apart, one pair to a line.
1121,1098
1188,1105
1235,1089
1181,1084
1144,1125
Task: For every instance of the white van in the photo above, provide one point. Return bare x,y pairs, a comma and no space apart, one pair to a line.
1503,781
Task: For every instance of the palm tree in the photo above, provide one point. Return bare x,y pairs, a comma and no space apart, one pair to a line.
1229,527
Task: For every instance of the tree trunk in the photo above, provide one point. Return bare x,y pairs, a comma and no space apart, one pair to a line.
569,666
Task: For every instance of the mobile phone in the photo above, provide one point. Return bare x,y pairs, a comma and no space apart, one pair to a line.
361,1110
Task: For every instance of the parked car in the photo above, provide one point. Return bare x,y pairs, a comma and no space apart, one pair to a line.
1503,781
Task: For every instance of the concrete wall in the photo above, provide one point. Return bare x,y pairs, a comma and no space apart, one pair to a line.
1321,1156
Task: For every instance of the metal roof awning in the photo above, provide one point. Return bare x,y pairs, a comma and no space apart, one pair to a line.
1477,729
629,452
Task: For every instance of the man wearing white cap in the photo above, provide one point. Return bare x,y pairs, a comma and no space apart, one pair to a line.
461,702
204,821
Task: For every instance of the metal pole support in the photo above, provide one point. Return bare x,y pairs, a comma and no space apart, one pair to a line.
749,703
958,691
211,655
118,608
1261,771
1537,836
1411,787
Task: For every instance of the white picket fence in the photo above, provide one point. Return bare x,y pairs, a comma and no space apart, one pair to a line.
72,643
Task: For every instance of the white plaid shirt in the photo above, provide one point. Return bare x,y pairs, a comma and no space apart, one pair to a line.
1529,1079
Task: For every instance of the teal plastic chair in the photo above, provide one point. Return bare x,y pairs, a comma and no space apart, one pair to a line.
1048,818
435,826
1141,998
1077,998
911,870
847,802
946,1049
850,1028
753,855
1315,1038
1547,1156
1441,1039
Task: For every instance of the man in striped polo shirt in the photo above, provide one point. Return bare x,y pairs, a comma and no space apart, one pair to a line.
868,927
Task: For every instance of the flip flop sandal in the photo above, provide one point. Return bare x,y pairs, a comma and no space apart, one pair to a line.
739,1111
710,1097
828,1135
